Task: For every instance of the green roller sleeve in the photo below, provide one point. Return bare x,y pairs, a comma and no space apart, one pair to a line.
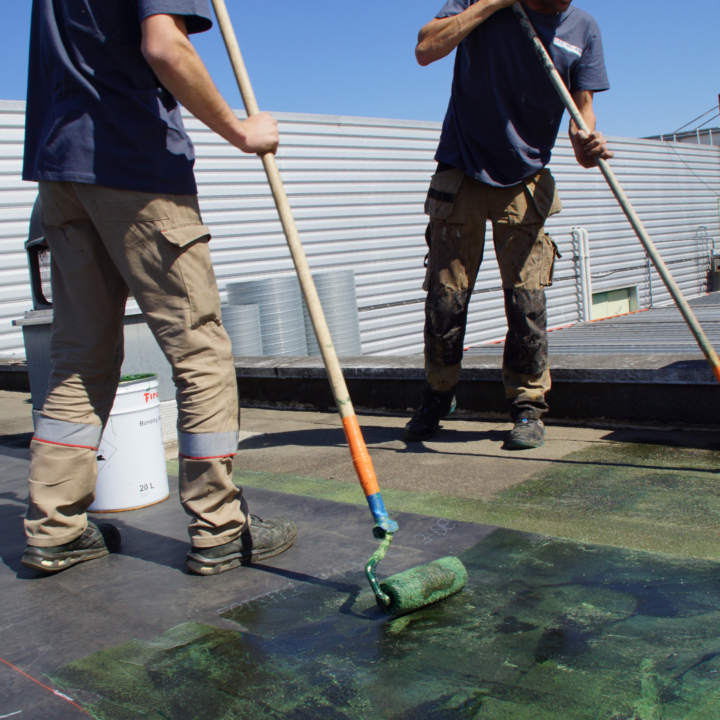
423,585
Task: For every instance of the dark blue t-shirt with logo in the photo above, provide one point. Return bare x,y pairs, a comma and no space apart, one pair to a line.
504,114
96,113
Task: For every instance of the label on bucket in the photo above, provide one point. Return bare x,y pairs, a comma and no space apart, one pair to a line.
131,456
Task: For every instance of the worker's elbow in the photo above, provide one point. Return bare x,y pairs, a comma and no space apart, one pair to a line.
162,57
155,53
423,56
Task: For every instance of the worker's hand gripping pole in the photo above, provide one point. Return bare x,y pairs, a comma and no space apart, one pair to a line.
361,459
620,195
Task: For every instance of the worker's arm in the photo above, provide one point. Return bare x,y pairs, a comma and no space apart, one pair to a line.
171,55
587,147
442,35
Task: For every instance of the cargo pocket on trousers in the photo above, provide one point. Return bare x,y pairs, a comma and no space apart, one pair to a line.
549,253
442,193
50,212
543,191
426,263
192,257
439,205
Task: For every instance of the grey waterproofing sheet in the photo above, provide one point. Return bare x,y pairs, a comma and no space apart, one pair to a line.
660,330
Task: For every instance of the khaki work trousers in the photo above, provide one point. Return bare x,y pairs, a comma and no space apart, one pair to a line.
104,243
459,208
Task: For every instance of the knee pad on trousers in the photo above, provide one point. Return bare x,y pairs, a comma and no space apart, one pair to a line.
526,349
445,321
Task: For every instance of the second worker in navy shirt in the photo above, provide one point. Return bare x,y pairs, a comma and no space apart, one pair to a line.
497,138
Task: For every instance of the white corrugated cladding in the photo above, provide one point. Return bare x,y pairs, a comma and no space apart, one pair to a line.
675,189
357,188
16,201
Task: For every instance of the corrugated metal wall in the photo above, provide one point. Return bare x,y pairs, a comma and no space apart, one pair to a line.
16,201
357,187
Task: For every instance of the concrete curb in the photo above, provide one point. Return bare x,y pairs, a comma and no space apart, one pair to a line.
674,389
14,375
633,369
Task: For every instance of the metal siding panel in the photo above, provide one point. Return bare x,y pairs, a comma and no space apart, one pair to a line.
673,200
16,201
357,187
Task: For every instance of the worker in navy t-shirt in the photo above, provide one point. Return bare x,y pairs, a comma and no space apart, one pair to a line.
105,140
497,138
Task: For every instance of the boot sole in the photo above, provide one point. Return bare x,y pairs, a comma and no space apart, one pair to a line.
56,564
410,437
519,445
203,566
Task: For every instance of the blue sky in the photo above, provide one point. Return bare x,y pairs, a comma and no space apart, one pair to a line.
356,58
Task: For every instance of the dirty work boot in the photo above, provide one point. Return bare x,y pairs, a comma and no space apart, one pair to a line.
96,542
426,421
526,434
262,540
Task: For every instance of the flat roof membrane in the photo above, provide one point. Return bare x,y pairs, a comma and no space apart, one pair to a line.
545,629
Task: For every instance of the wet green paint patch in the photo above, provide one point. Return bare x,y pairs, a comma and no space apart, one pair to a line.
546,629
648,497
642,497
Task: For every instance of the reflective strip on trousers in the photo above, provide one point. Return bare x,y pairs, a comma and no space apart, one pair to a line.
203,446
61,432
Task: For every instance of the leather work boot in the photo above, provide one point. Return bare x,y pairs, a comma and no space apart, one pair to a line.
262,540
526,434
426,421
96,542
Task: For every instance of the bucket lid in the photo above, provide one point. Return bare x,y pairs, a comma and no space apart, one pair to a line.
140,377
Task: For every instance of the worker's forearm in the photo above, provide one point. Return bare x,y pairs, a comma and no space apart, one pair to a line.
441,36
588,116
590,145
183,73
168,50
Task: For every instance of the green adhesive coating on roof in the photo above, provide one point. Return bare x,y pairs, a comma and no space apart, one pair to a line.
545,629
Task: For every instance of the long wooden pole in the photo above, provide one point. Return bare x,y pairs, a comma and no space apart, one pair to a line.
361,458
620,195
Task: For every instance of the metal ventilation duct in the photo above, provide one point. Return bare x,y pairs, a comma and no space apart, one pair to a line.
242,323
281,316
338,298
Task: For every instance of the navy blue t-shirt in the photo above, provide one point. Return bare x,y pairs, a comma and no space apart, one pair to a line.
504,114
96,113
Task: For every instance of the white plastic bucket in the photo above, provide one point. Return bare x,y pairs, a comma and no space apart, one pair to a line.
131,457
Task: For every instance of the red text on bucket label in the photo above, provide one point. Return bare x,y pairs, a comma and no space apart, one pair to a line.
150,396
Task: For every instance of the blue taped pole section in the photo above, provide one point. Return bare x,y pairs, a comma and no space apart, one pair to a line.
377,508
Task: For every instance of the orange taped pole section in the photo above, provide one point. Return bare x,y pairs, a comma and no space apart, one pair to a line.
361,458
384,526
49,689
